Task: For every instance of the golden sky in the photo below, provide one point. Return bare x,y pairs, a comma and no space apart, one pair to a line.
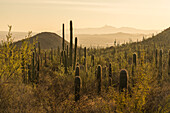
48,15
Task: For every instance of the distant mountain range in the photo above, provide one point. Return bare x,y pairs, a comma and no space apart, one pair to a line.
110,30
104,36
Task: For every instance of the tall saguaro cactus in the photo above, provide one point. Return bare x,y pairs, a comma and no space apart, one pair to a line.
92,60
110,74
63,38
134,59
75,53
156,58
45,59
77,71
33,67
99,79
71,42
123,80
77,84
169,65
65,62
85,59
160,66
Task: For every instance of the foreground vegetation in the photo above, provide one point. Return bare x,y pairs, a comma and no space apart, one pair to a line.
133,77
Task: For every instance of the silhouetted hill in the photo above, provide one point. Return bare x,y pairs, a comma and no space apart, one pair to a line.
47,40
161,39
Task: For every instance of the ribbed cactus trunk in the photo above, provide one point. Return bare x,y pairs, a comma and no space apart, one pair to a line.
92,60
85,60
65,62
110,74
38,69
160,67
67,55
45,63
134,64
77,73
169,64
77,84
51,54
71,43
63,38
134,59
156,58
33,67
75,54
123,80
39,53
29,73
23,68
99,79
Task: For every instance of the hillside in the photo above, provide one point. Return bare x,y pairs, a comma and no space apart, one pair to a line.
47,40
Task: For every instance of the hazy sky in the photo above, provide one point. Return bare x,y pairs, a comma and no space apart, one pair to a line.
48,15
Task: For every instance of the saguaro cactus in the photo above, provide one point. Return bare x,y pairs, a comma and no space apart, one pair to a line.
110,70
92,60
75,53
77,71
169,65
85,60
45,59
99,79
65,62
71,42
33,67
160,66
156,58
23,68
134,59
38,69
29,73
51,54
123,80
110,74
63,38
77,88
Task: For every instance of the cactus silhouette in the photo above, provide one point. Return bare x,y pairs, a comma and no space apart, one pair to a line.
75,54
23,68
134,59
51,54
45,59
85,60
33,67
92,60
123,80
110,81
77,85
63,38
99,79
71,43
160,67
110,70
65,62
67,55
156,58
38,69
29,73
77,71
169,64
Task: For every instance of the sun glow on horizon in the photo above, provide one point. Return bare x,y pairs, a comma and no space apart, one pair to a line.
48,15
